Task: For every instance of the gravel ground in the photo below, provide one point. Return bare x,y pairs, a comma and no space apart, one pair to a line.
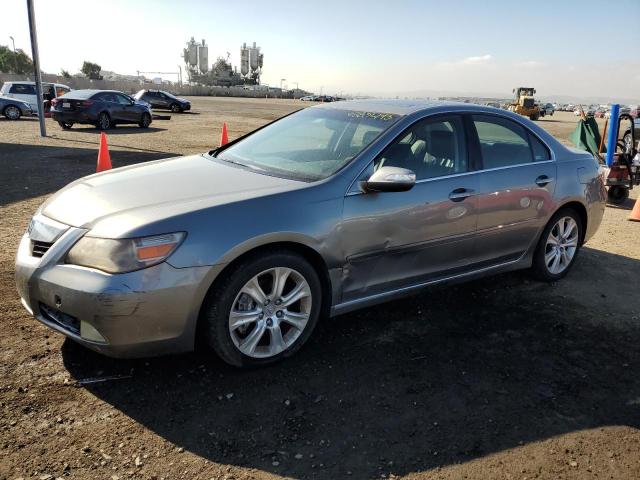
500,378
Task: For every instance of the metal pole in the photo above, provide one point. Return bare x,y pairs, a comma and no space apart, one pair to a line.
36,66
180,75
15,57
614,121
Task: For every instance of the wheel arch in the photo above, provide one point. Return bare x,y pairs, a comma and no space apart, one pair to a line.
311,255
581,210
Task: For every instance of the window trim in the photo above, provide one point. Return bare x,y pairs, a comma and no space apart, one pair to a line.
469,162
471,137
527,130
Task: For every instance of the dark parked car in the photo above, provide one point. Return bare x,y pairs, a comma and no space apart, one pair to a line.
166,100
102,108
13,109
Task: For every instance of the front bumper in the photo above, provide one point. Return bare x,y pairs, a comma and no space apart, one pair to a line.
147,312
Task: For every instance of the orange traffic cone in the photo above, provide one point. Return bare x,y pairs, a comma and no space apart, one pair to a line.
104,160
635,213
224,139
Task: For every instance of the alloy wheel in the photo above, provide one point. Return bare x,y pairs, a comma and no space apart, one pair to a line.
561,245
270,312
12,113
104,121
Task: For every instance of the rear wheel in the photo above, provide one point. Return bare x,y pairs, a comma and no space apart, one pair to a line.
145,121
12,112
558,246
264,310
627,142
617,194
176,108
104,121
65,125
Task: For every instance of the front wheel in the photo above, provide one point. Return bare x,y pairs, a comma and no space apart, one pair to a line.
264,310
558,246
175,108
12,112
145,121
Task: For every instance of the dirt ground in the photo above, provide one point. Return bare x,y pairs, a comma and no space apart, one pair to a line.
501,378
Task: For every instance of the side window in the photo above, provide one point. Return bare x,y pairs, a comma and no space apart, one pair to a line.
23,89
122,100
540,151
502,142
430,148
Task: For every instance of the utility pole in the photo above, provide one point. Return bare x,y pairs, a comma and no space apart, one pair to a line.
180,75
36,66
15,57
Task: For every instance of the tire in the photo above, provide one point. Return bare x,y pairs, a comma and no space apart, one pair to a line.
65,125
256,341
617,195
176,108
145,121
566,251
104,121
11,112
535,117
627,143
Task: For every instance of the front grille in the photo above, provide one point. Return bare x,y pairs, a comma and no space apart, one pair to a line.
67,322
38,249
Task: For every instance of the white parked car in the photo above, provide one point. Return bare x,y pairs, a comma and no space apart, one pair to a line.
26,91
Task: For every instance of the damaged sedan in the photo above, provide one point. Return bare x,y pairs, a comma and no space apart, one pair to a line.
332,208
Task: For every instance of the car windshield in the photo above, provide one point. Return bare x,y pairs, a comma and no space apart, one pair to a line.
170,95
311,144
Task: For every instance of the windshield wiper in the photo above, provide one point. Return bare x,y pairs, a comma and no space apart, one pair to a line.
235,162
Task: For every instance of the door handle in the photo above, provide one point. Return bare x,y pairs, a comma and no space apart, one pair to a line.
543,180
460,194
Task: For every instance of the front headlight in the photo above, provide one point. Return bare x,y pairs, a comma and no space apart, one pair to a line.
126,255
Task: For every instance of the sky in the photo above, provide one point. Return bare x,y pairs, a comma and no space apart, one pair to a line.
404,47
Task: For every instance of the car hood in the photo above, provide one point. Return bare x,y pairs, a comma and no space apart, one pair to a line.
183,100
121,200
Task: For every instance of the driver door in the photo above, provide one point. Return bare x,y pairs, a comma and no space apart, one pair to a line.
399,239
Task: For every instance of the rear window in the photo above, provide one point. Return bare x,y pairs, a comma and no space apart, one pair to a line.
23,89
80,94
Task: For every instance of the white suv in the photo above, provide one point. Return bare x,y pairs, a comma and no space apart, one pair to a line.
26,91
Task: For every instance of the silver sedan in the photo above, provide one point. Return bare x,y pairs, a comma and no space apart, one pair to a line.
330,209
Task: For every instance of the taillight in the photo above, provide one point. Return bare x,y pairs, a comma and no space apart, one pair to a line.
85,103
54,102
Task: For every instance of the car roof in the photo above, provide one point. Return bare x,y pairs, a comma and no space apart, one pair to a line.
403,107
27,82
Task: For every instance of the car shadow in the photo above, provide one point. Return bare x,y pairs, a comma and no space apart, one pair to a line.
21,119
119,130
626,205
52,167
449,375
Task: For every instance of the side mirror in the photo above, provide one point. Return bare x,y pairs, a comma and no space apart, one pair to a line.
390,179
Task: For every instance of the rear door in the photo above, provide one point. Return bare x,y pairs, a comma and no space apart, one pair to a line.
25,92
128,111
516,187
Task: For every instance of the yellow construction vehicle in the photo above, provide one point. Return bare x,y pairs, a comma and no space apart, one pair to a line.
524,104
